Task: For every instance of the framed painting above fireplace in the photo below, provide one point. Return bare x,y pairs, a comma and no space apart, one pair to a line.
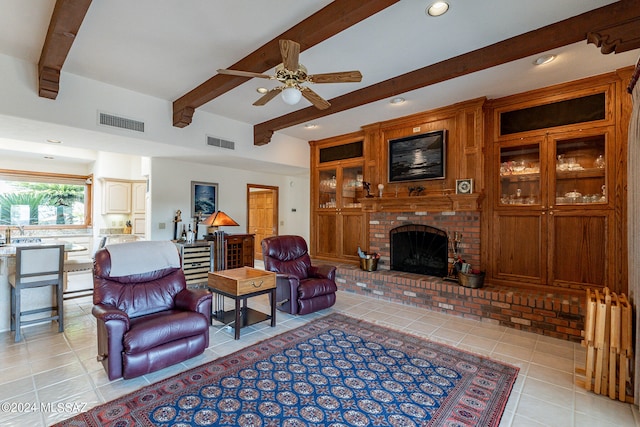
418,157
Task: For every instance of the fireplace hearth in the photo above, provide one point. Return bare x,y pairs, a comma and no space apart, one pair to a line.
419,249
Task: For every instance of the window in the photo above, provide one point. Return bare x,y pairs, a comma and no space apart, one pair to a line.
44,200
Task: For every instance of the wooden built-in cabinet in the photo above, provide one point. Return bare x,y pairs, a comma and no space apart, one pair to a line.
549,174
340,208
338,225
556,193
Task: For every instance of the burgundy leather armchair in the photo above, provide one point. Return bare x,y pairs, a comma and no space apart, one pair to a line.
147,321
300,287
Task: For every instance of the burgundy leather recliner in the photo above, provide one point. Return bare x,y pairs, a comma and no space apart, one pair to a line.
300,287
147,321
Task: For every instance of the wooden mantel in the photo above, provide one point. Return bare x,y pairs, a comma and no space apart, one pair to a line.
426,203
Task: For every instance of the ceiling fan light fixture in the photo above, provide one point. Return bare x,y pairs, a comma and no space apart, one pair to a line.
291,95
437,8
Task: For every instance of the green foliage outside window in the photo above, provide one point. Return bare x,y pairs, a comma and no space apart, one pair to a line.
40,203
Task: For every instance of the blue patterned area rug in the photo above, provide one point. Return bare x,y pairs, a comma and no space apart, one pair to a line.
334,371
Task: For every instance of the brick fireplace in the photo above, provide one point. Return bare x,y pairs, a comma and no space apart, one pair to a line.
555,314
466,223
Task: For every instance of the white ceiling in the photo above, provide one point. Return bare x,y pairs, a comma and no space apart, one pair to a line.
164,48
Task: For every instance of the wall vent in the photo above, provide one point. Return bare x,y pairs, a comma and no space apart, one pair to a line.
222,143
120,122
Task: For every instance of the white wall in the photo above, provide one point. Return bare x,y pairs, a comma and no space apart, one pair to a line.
170,187
72,116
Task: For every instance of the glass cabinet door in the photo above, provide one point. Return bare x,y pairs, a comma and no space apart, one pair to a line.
352,189
580,171
520,175
327,189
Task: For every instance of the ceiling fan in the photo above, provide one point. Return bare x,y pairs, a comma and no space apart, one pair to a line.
292,75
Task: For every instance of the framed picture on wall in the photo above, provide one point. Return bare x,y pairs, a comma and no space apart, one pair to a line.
418,157
204,198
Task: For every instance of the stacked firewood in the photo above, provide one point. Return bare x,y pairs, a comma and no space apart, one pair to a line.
608,339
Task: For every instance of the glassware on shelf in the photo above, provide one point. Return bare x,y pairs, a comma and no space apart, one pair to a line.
573,196
599,162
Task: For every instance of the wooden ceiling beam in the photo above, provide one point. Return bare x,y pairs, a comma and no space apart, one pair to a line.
65,22
617,38
568,31
327,22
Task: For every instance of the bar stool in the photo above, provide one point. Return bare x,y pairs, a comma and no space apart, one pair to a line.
75,265
36,266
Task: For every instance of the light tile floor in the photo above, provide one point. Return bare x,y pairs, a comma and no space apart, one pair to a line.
50,376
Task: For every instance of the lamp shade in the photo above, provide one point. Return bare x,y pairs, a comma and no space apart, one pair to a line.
291,95
219,218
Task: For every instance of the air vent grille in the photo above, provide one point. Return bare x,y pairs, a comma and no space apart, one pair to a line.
121,122
222,143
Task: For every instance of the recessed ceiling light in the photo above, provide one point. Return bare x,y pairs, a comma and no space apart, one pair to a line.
544,59
54,141
397,100
310,126
437,8
262,90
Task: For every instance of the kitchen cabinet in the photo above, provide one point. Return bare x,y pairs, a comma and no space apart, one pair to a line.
138,197
116,197
126,197
138,207
338,223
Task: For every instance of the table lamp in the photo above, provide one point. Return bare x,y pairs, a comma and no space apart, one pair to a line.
217,219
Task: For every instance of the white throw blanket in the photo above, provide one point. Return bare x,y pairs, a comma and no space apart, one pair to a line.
142,257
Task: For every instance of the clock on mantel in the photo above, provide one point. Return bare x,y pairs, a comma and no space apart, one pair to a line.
429,202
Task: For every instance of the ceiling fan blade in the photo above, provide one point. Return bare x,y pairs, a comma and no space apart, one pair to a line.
339,77
244,74
268,96
290,51
319,102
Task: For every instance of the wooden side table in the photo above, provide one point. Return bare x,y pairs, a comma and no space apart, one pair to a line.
240,284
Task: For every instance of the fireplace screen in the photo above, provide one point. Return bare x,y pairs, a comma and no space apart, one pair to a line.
420,249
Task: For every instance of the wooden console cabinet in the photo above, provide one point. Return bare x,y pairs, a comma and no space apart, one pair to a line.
240,250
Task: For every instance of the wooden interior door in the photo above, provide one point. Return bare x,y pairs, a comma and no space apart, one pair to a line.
262,206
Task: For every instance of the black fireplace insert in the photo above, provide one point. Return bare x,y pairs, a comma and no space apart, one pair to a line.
420,249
